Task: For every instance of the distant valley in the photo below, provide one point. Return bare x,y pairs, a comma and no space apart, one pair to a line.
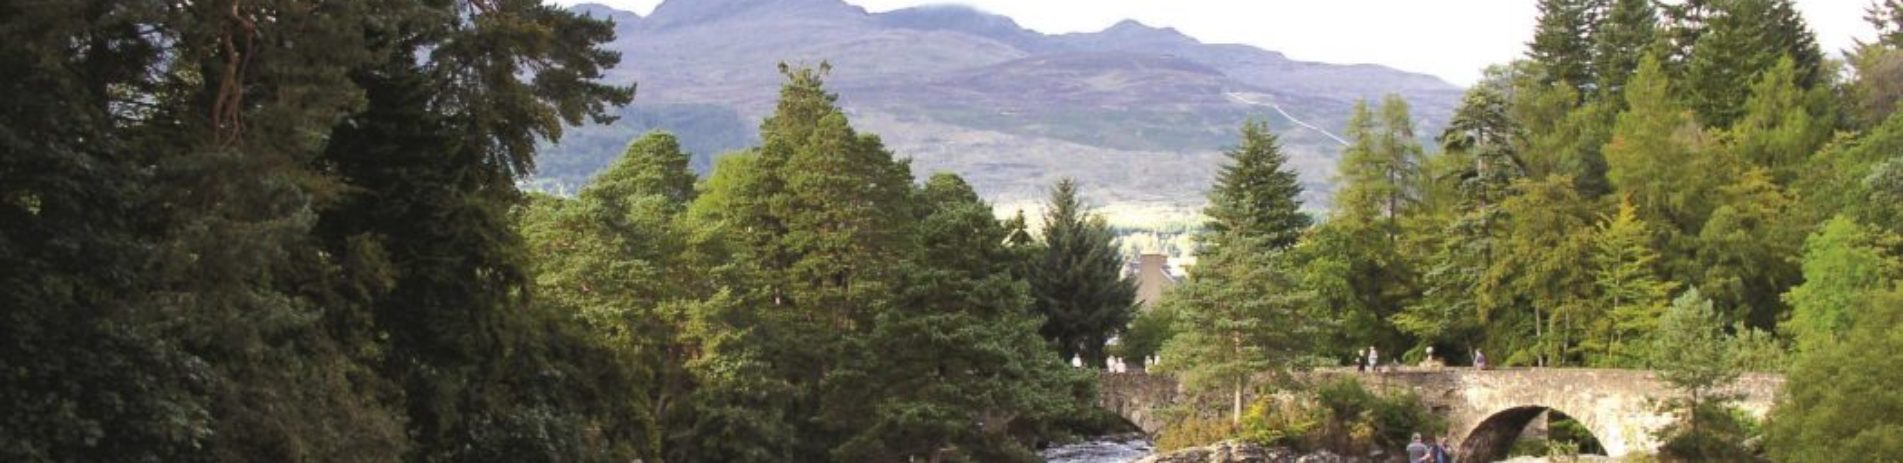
1138,114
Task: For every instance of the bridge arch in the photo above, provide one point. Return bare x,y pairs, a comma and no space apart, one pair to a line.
1491,438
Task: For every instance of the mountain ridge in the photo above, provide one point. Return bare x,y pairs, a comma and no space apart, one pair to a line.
1138,113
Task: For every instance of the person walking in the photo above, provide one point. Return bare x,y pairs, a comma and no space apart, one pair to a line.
1437,451
1374,359
1417,451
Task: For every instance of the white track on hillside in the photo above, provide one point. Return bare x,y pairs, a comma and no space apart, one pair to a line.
1240,99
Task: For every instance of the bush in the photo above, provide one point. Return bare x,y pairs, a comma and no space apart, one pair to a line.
1194,430
1340,416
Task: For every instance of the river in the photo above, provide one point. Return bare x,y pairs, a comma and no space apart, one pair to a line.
1121,449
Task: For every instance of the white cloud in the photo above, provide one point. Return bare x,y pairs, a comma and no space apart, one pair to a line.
1453,39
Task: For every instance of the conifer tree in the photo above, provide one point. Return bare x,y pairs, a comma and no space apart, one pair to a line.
1078,279
1355,265
1783,124
1242,313
1654,155
1562,43
1746,38
1629,288
1627,32
1256,195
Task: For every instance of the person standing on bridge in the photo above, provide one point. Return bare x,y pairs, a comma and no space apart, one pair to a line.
1480,360
1374,359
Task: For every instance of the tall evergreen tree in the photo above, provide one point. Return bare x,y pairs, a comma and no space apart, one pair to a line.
1242,313
1077,279
1256,195
1562,43
1354,264
1746,38
1653,156
1627,32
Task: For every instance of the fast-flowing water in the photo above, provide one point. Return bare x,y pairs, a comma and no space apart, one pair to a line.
1104,450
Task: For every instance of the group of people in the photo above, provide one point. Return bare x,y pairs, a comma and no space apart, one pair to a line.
1370,360
1430,450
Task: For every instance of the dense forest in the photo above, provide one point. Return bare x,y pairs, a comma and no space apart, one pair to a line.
1683,186
282,230
292,231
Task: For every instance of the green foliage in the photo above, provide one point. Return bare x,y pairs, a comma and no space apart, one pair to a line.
1561,43
1839,403
1076,277
1148,333
1742,40
1255,196
1630,290
1353,262
1339,415
1623,37
1844,264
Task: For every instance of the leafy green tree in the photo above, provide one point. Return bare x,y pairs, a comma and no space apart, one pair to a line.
1844,265
959,348
1837,404
1536,272
1629,287
1077,279
1748,248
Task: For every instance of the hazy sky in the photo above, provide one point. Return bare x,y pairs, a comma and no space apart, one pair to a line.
1452,39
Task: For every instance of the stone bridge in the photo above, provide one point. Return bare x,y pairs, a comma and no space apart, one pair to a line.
1487,410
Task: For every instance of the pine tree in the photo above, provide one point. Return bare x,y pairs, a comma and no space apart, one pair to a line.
1078,279
1536,271
1693,357
959,348
1746,38
1628,31
1242,313
1748,248
1256,195
1355,265
1562,44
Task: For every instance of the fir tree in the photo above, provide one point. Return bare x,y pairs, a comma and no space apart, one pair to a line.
1256,195
1562,43
1078,279
1746,38
1624,36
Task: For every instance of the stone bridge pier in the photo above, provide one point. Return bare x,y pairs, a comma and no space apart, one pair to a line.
1487,410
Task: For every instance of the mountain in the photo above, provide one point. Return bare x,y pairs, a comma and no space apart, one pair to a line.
1139,114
